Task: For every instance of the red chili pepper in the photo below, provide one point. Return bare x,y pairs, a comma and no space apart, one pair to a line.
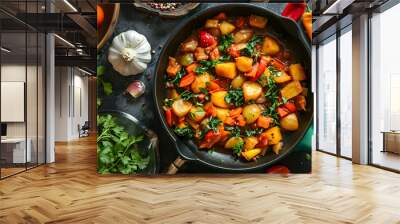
168,117
279,169
294,10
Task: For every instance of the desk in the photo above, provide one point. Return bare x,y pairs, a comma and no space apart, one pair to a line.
16,148
391,141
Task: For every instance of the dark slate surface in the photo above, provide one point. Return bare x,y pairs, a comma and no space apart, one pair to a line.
157,30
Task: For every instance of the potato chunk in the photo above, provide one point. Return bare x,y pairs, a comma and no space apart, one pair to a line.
251,90
201,82
270,46
292,89
250,154
297,72
274,135
218,99
181,107
251,113
227,70
290,122
232,142
226,28
244,64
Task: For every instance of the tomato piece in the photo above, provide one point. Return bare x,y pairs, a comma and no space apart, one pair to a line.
278,169
260,70
206,39
187,80
253,72
168,117
282,111
290,106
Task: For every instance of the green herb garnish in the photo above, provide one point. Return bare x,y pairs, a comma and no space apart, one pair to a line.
253,132
250,50
237,148
235,97
184,132
116,148
225,42
234,130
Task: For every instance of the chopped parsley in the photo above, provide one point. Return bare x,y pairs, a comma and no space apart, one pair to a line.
252,132
238,147
225,42
235,97
234,130
250,49
274,72
184,132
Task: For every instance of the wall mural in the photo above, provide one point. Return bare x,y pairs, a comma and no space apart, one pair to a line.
204,88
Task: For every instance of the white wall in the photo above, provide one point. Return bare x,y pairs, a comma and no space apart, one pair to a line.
70,83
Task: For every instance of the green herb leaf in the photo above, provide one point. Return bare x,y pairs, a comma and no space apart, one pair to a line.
237,148
184,132
235,97
225,42
250,50
234,130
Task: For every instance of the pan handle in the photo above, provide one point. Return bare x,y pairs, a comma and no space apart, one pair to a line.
184,151
174,166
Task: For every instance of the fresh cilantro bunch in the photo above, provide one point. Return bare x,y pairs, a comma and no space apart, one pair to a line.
116,149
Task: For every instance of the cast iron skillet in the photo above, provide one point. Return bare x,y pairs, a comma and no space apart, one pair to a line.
286,31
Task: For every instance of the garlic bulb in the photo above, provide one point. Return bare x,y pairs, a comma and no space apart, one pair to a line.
129,53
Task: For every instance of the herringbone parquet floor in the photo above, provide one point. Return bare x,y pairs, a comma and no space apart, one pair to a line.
70,191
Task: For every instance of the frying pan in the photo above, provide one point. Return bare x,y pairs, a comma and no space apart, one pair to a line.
288,33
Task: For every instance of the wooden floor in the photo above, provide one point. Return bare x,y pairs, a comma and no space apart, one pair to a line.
70,191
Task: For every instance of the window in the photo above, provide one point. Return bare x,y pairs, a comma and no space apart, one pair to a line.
385,89
346,92
326,101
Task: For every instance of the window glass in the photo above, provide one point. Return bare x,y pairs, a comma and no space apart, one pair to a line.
326,101
346,93
385,89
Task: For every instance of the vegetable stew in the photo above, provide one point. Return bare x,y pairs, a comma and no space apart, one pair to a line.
235,87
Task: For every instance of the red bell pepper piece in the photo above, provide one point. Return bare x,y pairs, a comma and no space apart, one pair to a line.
168,117
260,69
210,139
294,10
290,106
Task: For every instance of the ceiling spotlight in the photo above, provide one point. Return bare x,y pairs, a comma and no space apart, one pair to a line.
70,6
5,50
64,40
